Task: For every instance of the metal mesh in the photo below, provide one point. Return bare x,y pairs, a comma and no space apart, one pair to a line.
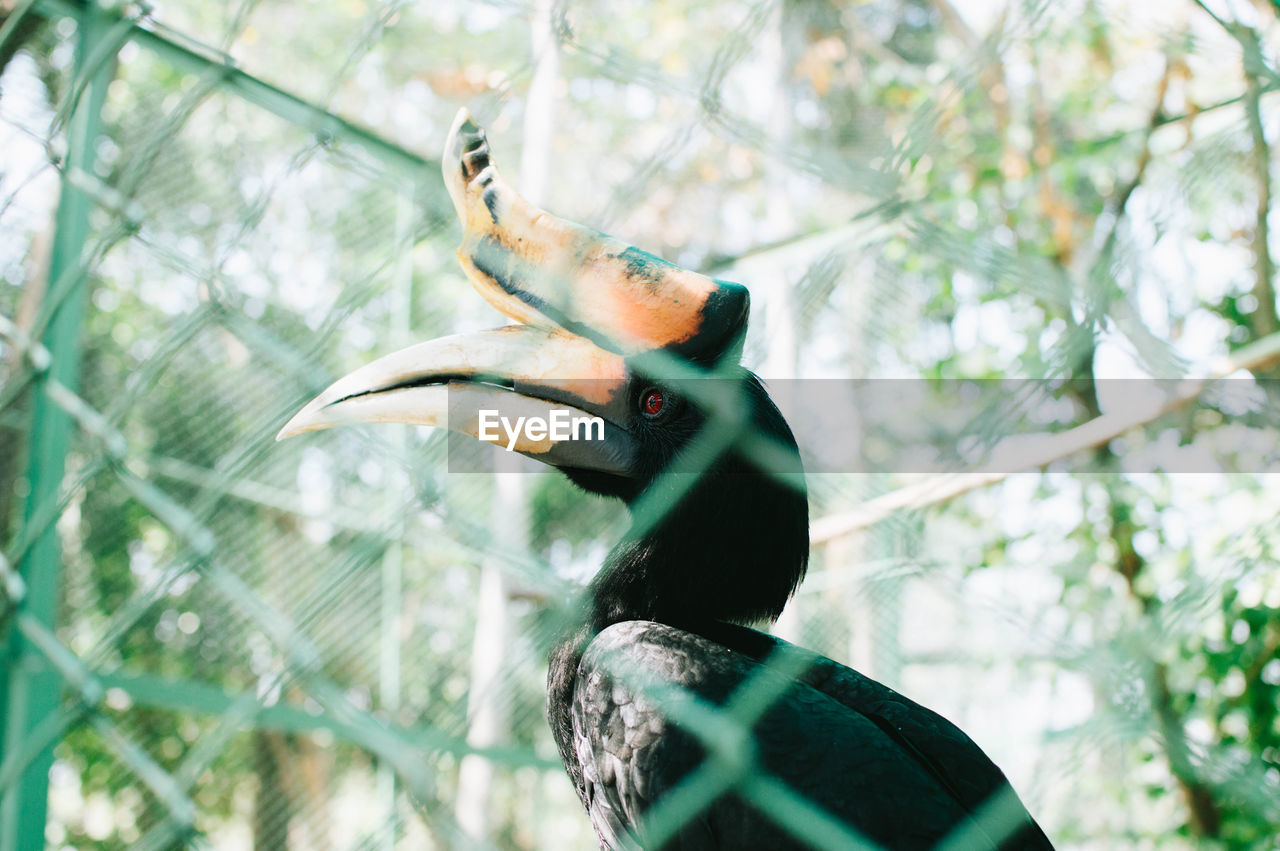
207,212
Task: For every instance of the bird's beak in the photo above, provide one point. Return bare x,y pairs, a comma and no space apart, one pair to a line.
482,383
588,303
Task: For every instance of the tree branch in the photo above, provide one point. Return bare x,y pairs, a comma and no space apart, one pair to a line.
1264,317
1206,814
887,209
1038,452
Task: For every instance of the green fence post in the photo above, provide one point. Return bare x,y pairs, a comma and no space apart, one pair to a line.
29,690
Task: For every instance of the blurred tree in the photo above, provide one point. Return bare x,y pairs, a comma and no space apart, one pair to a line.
1073,194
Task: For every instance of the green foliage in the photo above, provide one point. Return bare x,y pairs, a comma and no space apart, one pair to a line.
1059,193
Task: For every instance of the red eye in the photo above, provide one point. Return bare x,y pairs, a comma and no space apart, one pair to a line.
651,403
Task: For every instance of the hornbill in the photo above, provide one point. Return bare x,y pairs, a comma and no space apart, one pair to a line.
693,444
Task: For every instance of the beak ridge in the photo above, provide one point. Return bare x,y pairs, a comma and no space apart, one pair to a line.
542,270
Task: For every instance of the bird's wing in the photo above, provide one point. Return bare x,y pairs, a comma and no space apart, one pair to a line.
941,747
895,772
630,754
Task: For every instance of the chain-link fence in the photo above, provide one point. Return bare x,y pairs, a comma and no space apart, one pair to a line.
208,212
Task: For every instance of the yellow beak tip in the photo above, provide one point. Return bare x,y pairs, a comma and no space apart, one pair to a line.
300,423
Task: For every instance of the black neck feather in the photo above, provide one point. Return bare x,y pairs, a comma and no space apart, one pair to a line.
733,549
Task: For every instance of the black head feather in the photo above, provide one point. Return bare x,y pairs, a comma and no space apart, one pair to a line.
720,510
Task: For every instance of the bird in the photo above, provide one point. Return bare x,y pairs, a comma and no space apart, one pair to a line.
661,686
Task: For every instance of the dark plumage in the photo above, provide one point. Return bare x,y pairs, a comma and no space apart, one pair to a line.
670,601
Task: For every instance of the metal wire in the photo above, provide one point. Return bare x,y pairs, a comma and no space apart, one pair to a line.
213,640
